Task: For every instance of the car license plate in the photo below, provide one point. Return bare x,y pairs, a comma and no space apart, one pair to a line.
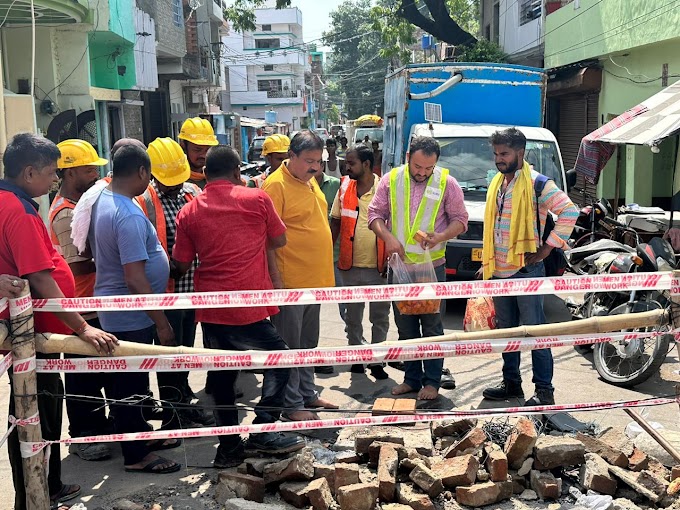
476,255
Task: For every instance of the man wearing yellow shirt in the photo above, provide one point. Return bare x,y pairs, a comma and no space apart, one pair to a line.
305,262
362,254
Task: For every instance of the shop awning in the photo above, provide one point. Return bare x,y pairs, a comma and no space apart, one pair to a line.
249,122
648,123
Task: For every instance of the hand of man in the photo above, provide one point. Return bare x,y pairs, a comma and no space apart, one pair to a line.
104,342
432,240
541,253
479,274
277,281
166,335
10,286
392,245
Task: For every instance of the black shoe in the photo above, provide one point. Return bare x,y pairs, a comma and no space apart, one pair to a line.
399,365
357,369
542,397
378,372
447,381
197,415
323,370
274,443
229,458
504,391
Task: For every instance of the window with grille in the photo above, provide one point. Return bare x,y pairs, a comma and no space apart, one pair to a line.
269,67
177,12
266,28
529,10
268,43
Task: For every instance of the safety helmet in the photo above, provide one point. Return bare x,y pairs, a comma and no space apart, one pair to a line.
75,153
275,143
169,164
198,131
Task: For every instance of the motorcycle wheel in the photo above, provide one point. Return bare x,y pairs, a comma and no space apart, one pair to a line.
585,239
627,364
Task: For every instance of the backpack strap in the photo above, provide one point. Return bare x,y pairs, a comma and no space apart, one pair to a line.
539,185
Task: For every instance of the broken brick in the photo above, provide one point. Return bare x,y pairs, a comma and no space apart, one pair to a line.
408,496
520,443
617,440
346,474
675,472
558,451
470,442
374,452
611,455
594,475
457,471
631,479
238,485
497,466
299,467
319,494
545,485
638,461
453,427
363,441
427,480
294,493
382,406
388,464
327,472
482,494
359,496
652,482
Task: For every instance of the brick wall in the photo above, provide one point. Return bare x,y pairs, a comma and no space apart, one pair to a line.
132,116
169,36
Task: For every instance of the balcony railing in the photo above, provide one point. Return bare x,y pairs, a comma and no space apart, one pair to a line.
273,94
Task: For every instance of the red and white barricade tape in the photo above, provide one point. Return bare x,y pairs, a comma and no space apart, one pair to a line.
238,360
5,363
231,299
29,449
3,304
14,423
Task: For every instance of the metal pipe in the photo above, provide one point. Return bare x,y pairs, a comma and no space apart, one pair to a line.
442,88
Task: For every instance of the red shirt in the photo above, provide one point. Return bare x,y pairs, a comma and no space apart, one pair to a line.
26,247
228,226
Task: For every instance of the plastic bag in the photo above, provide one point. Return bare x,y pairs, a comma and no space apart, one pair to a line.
633,429
480,314
415,273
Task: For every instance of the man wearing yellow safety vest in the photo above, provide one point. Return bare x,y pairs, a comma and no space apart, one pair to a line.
195,138
275,151
169,191
79,167
419,196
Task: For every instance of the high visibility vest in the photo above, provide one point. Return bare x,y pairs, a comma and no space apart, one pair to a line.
153,209
349,201
400,209
84,282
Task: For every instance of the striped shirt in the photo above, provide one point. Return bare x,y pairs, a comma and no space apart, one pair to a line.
552,199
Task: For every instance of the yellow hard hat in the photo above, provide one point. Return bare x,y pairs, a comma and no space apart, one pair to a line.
275,143
199,131
75,153
169,164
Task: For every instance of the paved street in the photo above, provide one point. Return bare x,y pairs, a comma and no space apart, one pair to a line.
576,381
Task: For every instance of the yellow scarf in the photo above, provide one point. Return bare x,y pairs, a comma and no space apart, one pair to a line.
522,221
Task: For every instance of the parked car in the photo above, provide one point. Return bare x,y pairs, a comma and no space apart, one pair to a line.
255,149
323,133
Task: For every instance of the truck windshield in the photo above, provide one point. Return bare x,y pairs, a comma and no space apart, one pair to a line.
374,135
471,161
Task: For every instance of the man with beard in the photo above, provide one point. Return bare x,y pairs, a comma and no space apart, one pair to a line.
513,249
79,169
195,138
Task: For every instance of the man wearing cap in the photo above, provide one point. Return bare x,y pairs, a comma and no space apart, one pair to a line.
79,169
195,138
275,151
169,191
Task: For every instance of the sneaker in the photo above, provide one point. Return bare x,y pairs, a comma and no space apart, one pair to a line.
229,458
398,365
323,370
542,397
274,443
90,451
447,381
357,369
378,372
504,391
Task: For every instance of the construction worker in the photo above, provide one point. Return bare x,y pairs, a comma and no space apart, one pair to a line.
275,151
79,169
169,191
195,138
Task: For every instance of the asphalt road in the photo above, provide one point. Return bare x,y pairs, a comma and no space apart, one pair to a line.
575,380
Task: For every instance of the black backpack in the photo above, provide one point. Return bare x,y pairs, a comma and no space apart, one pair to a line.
555,263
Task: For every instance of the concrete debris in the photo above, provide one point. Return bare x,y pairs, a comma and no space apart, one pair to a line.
552,452
594,475
611,455
545,484
299,467
520,444
126,504
359,496
237,485
482,494
452,428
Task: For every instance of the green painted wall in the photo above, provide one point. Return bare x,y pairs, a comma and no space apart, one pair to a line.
602,27
121,19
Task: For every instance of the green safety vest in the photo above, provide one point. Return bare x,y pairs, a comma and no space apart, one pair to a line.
400,209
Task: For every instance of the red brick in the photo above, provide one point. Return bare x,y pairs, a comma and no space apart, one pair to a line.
497,466
427,480
374,452
453,427
594,475
319,494
346,474
457,471
546,485
675,472
408,496
612,455
388,464
238,485
471,441
617,440
383,406
404,406
359,496
482,494
327,472
520,444
295,493
558,451
299,467
638,461
362,442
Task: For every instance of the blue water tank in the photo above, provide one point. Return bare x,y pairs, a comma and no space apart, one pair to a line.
427,42
270,117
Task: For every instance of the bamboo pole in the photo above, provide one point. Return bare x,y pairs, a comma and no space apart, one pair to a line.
654,434
25,386
50,343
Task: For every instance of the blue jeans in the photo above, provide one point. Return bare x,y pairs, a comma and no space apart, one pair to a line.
260,336
418,374
513,311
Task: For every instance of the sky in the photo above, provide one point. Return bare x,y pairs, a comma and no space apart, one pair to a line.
315,16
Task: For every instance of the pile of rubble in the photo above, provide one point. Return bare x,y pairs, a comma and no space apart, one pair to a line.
424,466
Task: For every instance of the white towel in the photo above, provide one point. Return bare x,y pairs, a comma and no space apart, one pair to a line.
80,224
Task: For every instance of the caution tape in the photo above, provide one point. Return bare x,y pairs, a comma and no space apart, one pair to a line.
3,304
360,421
449,290
5,363
15,422
238,360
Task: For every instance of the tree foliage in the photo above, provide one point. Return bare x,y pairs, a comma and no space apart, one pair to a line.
482,51
333,114
357,69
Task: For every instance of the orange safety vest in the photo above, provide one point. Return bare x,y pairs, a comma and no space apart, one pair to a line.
349,202
84,282
153,209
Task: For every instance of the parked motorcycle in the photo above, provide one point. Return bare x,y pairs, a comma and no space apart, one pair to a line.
628,362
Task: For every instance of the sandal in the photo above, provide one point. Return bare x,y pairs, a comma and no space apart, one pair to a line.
160,444
149,468
67,493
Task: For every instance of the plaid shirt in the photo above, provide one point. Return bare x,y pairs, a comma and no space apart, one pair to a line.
171,207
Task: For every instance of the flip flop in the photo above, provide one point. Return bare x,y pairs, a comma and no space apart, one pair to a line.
159,444
149,468
67,493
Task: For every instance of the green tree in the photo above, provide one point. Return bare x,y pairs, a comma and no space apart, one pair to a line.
357,69
333,114
482,51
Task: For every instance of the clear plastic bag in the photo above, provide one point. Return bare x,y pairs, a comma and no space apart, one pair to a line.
480,314
415,273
